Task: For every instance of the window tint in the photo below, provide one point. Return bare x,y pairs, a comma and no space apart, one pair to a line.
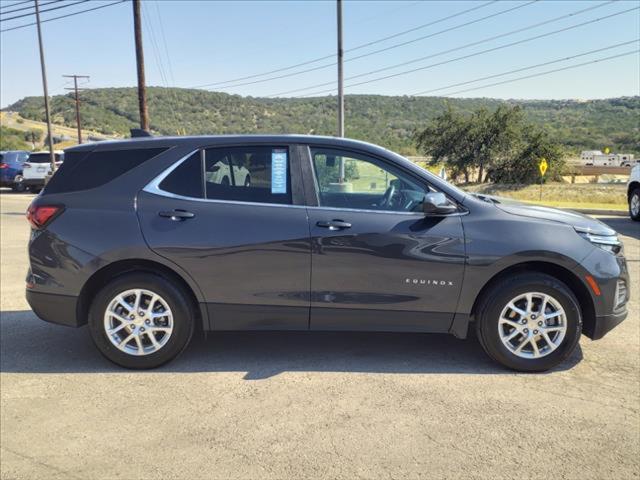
248,174
351,180
82,170
186,179
42,157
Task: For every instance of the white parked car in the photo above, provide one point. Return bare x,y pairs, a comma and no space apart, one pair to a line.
36,169
633,193
220,173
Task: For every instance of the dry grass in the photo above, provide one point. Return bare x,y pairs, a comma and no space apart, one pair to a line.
594,195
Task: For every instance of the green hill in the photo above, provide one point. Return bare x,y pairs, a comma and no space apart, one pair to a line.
389,121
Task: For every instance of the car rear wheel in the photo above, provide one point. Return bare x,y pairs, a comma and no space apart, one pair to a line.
634,204
141,321
530,322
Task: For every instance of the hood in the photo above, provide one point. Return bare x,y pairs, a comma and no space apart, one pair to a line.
582,223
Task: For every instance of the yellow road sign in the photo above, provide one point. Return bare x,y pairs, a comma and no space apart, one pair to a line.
543,166
606,151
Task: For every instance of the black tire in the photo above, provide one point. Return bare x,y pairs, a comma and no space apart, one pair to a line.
183,318
635,194
18,187
500,294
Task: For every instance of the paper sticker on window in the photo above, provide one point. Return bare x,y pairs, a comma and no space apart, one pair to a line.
279,171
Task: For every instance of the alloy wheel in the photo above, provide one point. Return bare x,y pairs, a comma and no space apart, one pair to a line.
634,205
532,325
138,322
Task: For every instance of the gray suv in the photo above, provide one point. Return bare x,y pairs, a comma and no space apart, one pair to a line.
149,240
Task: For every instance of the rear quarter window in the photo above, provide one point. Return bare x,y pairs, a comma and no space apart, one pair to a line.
83,171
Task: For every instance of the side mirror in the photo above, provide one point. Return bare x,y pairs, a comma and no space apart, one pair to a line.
437,204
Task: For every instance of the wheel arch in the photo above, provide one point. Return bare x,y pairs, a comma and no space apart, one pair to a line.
569,278
632,186
107,273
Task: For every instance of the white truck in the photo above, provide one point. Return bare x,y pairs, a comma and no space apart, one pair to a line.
599,159
633,193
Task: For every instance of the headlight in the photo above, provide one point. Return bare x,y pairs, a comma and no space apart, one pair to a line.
610,243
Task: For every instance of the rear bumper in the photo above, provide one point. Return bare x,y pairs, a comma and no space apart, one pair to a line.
60,309
33,182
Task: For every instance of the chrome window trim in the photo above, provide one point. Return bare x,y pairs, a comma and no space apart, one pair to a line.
153,187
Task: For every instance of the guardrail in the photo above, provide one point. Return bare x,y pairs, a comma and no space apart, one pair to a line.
597,170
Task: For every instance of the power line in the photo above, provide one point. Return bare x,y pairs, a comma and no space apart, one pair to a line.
479,53
154,44
164,43
43,11
510,72
29,7
15,4
315,60
64,16
548,72
455,49
381,50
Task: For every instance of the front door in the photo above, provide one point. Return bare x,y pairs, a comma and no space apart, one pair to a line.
377,262
228,217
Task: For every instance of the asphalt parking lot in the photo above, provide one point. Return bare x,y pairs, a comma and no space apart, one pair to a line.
297,405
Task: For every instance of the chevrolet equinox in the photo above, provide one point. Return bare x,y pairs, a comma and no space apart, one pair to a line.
148,240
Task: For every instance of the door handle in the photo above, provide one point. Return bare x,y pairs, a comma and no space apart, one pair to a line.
177,215
334,225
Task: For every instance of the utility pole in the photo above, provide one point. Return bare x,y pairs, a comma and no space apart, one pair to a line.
142,93
52,158
75,89
340,73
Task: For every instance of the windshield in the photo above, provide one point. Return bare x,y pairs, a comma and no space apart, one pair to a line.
434,178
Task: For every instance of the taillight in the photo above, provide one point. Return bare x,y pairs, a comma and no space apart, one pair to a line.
39,215
3,166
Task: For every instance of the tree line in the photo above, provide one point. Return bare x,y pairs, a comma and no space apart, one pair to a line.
391,121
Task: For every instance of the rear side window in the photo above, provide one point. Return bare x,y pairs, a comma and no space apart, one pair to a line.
257,174
82,171
186,178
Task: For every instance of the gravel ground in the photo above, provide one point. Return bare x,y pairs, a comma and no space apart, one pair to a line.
297,405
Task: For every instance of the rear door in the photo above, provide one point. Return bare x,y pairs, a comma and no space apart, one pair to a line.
245,241
378,263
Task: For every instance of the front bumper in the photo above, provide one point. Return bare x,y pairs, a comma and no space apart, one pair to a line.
60,309
604,324
610,307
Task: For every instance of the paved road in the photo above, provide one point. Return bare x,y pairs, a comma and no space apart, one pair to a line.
309,406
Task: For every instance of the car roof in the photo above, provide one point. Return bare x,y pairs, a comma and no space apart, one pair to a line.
200,140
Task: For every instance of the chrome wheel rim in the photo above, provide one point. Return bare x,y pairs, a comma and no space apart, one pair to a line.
635,204
138,322
532,325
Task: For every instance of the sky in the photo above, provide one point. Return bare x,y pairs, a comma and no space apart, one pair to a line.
195,43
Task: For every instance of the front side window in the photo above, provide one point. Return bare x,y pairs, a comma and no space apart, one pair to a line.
353,180
246,174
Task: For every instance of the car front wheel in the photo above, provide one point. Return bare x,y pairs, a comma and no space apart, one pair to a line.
530,322
141,320
634,204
